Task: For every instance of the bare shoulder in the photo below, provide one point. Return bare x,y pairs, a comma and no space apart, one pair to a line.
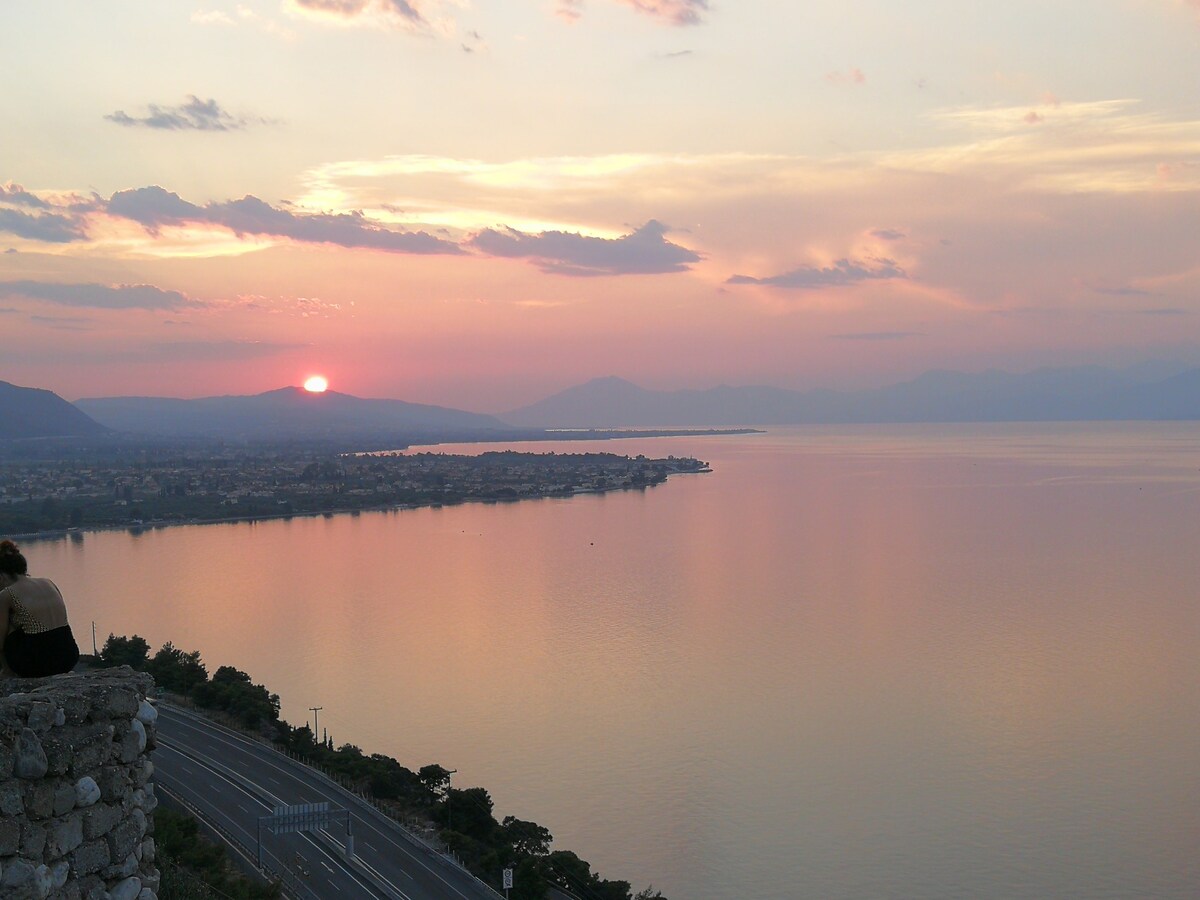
41,588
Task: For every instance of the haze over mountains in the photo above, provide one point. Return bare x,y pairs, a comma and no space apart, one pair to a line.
1153,392
1067,394
287,413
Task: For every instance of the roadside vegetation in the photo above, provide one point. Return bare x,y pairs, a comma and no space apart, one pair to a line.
195,868
463,818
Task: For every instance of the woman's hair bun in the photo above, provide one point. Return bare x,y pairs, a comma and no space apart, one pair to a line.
12,561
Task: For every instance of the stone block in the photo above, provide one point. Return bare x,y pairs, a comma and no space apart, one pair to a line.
64,798
41,716
147,894
148,850
114,782
92,888
87,792
146,713
76,708
127,889
10,836
39,799
18,874
43,881
123,703
100,819
139,729
131,745
123,839
30,761
64,835
143,773
10,799
60,870
92,748
33,840
123,869
90,857
8,756
59,752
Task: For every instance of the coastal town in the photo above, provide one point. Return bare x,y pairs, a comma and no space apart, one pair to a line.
178,484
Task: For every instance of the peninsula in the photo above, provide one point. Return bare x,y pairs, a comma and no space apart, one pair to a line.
168,484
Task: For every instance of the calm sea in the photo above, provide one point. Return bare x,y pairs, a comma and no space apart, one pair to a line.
910,662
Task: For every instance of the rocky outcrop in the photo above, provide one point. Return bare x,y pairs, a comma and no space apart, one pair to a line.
76,799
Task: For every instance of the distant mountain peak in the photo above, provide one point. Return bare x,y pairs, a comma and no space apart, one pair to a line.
36,413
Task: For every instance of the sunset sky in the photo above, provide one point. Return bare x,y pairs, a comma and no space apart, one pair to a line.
476,203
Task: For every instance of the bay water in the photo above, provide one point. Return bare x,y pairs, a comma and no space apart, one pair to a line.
880,661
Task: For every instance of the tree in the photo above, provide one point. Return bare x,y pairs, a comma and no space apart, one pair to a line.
435,779
468,812
525,838
123,651
232,690
177,671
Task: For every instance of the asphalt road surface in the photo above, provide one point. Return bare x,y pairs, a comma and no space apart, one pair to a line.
233,780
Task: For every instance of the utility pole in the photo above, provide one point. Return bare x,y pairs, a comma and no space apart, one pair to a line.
315,710
449,772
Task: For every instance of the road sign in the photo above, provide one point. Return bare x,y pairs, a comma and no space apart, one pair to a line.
298,817
507,879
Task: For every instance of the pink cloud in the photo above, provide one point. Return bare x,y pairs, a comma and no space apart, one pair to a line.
1169,171
1033,118
674,12
669,12
569,10
850,76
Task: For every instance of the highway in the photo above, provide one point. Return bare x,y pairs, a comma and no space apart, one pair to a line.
232,781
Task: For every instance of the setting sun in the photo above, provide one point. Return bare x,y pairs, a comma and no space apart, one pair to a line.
316,384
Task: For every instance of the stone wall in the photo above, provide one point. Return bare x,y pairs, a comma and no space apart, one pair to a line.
76,800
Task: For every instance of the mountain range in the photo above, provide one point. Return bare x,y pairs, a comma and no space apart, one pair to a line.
285,413
1050,394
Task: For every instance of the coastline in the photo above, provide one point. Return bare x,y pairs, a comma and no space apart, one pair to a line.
155,524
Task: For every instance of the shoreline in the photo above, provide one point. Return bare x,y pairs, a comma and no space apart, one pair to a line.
156,524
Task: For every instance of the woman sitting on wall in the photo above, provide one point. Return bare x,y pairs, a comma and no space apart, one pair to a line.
37,638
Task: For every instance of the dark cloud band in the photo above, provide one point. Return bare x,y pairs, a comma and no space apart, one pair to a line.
645,251
843,272
98,296
154,207
193,114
